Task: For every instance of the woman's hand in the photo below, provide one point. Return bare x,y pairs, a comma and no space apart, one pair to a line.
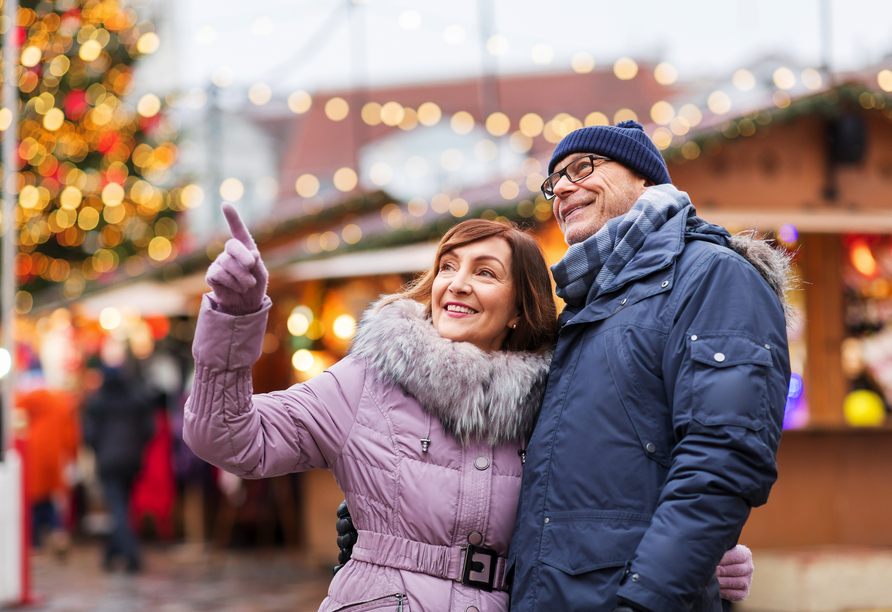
735,573
238,276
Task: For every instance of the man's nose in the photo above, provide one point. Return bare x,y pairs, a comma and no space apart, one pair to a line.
564,186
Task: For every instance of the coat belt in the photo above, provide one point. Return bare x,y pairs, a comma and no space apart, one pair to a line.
400,553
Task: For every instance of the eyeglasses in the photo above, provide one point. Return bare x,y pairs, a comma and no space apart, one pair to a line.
575,171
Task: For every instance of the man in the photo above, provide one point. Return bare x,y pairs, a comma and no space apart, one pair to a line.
663,410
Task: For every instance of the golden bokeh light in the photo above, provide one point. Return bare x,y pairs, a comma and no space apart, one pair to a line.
54,119
531,125
596,118
148,43
329,241
662,138
410,119
299,102
462,123
429,114
88,219
90,50
498,124
381,174
392,113
260,94
719,102
509,190
744,80
31,56
160,248
344,327
665,73
59,66
345,179
371,113
624,114
884,80
784,78
625,68
458,207
680,126
542,54
781,99
520,142
690,150
812,79
486,151
582,62
417,207
192,196
691,114
662,112
303,360
149,105
351,233
232,189
306,185
109,318
112,194
337,109
70,198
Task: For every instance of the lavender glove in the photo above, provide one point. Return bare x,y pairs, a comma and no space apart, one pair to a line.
238,276
735,573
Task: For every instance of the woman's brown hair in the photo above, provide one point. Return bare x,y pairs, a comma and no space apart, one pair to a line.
537,329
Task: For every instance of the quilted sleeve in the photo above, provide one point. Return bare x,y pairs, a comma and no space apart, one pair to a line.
258,436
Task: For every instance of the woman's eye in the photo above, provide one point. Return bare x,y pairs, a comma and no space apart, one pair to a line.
445,267
487,273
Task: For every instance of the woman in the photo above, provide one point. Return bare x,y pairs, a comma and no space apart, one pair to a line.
423,424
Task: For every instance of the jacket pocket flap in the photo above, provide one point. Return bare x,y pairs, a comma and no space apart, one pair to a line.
724,351
580,542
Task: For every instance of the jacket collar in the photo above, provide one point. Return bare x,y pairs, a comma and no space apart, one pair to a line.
488,396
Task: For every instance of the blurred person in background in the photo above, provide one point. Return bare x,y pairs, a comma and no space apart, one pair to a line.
118,423
53,436
423,424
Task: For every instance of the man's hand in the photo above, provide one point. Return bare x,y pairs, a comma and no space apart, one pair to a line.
735,573
238,276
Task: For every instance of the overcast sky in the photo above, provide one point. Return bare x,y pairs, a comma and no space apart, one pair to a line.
320,44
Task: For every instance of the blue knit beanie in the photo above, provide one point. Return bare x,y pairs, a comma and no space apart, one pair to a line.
624,142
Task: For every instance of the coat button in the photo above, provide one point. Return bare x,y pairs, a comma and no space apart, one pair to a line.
694,338
768,346
623,302
475,538
720,357
651,447
547,521
481,462
635,577
665,284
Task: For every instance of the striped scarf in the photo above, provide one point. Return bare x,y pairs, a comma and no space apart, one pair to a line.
592,265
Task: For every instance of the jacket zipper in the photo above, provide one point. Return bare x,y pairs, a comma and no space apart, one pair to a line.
398,596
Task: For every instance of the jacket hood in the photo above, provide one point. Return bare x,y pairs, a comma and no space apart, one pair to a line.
775,265
487,396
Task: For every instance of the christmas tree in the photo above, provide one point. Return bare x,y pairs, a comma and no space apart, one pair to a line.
91,163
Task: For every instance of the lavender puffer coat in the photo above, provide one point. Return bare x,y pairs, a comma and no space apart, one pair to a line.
416,504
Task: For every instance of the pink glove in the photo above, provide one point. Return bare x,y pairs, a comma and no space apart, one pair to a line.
735,572
238,276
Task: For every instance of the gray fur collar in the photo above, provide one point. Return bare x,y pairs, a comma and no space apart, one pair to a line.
775,266
488,396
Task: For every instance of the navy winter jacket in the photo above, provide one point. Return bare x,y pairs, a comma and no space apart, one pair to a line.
657,434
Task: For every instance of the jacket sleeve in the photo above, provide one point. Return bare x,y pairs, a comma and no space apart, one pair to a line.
726,370
258,436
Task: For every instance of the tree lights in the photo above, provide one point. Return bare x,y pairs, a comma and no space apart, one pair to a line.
89,162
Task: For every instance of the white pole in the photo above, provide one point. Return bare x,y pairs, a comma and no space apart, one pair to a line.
10,97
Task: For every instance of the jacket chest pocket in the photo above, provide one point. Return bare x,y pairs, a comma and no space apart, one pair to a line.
635,372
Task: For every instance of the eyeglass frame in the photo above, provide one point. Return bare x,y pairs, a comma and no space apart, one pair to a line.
563,172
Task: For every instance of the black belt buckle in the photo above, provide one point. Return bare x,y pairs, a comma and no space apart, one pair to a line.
480,568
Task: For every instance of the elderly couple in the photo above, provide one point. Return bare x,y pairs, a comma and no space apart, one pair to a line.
494,455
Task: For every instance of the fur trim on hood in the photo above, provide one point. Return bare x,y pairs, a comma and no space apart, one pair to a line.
488,396
775,266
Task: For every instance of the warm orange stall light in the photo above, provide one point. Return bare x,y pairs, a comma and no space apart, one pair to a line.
863,260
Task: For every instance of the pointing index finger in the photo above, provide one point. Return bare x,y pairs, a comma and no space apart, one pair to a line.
237,226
